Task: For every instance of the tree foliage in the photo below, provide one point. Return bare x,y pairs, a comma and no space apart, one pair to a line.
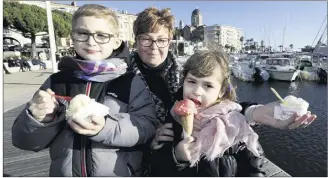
31,19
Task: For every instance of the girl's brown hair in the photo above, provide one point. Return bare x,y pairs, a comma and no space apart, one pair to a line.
152,20
203,63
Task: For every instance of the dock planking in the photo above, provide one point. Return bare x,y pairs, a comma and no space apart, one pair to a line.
21,163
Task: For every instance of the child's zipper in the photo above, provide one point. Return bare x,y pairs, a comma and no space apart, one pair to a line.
83,141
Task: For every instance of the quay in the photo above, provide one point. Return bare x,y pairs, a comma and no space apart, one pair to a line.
19,89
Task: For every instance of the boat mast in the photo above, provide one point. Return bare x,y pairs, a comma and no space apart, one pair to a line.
283,34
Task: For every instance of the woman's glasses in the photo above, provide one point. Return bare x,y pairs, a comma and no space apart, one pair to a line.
147,42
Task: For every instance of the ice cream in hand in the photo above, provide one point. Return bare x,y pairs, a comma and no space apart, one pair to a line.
290,106
82,107
186,109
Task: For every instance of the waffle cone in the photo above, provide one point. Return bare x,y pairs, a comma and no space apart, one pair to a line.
187,123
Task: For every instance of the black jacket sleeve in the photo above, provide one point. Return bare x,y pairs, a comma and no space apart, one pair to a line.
245,105
163,161
248,165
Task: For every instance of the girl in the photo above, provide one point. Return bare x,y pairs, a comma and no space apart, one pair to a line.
222,143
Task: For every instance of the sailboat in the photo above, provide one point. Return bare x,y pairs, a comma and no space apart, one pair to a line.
316,67
321,49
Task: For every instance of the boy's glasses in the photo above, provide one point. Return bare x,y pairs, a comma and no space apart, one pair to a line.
101,38
161,42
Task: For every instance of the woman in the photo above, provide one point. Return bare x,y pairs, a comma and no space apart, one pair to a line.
153,30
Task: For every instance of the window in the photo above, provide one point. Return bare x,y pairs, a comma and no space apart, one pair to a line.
275,62
269,62
280,62
286,62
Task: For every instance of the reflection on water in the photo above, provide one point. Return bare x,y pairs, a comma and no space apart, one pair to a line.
300,152
293,89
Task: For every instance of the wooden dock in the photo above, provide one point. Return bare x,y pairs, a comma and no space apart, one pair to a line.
20,163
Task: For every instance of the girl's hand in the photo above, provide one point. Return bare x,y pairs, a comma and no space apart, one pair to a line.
188,149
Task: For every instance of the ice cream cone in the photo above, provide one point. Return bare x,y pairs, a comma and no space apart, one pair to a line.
187,123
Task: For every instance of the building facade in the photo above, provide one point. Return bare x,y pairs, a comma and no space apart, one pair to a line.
187,32
224,36
126,26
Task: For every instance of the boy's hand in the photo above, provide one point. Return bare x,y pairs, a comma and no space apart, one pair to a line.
84,127
43,104
187,149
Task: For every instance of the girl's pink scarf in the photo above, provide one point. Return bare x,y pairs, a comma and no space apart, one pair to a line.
221,126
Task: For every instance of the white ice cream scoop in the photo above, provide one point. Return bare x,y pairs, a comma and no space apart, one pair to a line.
82,107
292,105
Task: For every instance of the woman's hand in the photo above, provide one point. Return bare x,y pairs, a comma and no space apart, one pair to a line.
265,115
164,133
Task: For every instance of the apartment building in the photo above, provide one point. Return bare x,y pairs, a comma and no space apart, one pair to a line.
224,35
126,26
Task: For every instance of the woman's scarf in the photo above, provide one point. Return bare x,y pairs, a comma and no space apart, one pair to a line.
172,78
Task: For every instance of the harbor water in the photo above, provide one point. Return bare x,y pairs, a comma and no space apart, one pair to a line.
300,152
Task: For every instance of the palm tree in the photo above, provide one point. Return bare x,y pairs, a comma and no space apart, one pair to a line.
270,48
247,42
280,46
241,39
251,40
262,45
291,46
232,49
256,44
227,47
218,33
177,33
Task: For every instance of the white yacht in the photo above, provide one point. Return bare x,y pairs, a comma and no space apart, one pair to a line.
281,69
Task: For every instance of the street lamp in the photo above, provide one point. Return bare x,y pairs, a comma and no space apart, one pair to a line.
51,37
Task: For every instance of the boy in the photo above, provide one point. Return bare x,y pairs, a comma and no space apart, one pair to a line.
106,146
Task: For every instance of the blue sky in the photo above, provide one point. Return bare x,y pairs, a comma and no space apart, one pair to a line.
257,19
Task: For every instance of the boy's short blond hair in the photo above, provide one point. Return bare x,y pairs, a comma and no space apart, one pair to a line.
152,19
98,11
